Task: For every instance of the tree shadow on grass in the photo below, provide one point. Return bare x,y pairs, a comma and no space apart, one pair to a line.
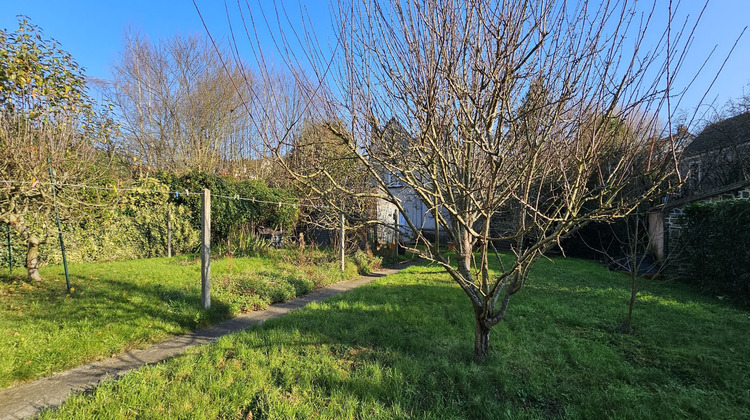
402,345
125,302
99,318
554,348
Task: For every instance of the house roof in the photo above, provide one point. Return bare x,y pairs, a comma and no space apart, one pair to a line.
725,133
702,196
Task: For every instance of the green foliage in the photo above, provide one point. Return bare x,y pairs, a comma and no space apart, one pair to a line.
48,124
365,263
715,254
230,214
18,250
242,242
36,76
136,227
401,348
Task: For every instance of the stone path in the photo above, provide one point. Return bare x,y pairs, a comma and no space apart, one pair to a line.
28,399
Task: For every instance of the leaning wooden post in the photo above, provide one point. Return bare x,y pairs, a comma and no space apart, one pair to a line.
395,233
169,231
206,249
437,228
341,241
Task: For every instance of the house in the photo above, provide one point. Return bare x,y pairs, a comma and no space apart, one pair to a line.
718,157
413,208
715,166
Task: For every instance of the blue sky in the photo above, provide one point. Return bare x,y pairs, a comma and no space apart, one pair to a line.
92,31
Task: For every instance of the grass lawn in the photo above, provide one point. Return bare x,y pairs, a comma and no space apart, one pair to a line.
402,347
122,305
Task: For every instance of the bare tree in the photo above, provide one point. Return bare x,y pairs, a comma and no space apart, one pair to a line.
505,108
182,105
326,163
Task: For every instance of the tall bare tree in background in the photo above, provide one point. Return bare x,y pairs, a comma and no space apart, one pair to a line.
507,108
183,106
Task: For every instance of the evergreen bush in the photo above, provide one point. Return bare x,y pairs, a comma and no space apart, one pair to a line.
715,253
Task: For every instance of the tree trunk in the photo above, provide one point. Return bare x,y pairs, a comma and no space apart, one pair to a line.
32,259
481,341
627,325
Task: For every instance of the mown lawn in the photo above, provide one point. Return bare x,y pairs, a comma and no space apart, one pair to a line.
402,347
130,304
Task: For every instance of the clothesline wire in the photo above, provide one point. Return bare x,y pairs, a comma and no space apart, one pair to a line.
174,193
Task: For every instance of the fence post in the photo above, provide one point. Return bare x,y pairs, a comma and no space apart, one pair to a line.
341,242
437,228
10,253
59,227
206,249
169,231
395,233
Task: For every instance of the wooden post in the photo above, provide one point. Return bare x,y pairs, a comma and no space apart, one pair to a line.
206,249
169,231
437,228
10,253
341,242
395,233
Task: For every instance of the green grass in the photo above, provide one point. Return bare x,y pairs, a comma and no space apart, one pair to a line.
402,347
130,304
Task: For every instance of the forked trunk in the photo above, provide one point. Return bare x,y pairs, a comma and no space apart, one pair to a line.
32,260
481,341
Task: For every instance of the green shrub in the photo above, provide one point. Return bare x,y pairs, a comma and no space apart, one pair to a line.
242,242
365,263
135,228
228,211
715,253
17,254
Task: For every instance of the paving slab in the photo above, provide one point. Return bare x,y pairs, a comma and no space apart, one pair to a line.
28,399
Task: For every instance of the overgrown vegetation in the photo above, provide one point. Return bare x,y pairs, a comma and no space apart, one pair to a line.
134,223
54,132
134,227
397,348
231,214
715,254
129,304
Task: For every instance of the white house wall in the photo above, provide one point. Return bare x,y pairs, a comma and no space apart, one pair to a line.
415,210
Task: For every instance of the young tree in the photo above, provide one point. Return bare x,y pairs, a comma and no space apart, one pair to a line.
505,107
47,123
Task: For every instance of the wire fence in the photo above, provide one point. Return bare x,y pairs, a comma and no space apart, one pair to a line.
158,232
174,193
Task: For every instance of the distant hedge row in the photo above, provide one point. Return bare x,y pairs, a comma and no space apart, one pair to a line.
133,224
230,214
715,248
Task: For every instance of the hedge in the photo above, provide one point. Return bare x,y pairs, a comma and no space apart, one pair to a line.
715,248
231,214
